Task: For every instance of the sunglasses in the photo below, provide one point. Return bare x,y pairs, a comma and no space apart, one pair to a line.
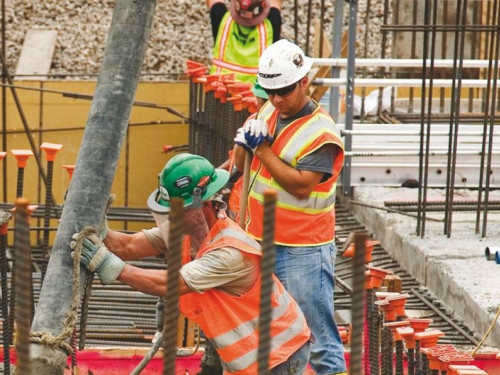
282,91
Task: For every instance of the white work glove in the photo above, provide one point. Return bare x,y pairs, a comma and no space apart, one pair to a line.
256,132
240,140
96,257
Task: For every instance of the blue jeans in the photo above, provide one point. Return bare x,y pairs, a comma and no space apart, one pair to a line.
296,364
307,274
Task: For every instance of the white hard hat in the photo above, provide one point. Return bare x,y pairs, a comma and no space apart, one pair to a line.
283,63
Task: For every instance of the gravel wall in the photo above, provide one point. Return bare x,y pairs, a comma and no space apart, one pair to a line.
181,31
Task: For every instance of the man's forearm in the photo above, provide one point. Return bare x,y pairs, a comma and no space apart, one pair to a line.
129,246
153,282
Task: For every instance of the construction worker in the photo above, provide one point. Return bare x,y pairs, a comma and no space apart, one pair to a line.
220,276
298,151
241,34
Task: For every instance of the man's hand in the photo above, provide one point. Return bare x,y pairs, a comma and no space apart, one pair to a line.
256,132
96,257
240,140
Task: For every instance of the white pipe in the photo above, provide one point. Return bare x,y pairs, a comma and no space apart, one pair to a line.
410,132
403,63
402,82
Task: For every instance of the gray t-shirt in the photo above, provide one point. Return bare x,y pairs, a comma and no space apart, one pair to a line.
227,269
320,160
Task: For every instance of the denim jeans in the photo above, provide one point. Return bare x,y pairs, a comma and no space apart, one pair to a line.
307,274
296,364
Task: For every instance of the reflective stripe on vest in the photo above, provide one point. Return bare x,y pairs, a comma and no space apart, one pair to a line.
228,54
233,329
298,221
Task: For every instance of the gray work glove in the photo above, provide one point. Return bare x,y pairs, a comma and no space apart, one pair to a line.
97,258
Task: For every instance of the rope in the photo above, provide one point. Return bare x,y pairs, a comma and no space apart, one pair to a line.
46,338
487,332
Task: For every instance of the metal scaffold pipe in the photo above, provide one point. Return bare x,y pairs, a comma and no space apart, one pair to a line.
400,63
95,169
400,82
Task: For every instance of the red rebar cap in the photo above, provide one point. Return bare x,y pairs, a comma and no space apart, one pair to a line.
21,156
398,303
428,338
407,334
369,244
376,275
209,80
70,169
237,102
221,94
51,149
2,155
393,326
453,369
238,87
390,314
435,352
419,324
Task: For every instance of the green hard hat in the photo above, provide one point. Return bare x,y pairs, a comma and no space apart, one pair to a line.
259,92
181,176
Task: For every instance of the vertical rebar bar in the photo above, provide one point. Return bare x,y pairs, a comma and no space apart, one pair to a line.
411,361
308,25
413,54
296,21
267,284
4,103
74,360
455,120
358,299
418,358
486,108
425,173
375,337
6,332
492,127
84,310
23,286
171,316
399,357
46,216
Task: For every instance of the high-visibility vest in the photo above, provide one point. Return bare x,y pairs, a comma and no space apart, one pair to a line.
231,322
235,54
299,222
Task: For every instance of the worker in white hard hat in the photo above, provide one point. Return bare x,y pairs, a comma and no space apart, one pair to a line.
297,150
241,33
220,276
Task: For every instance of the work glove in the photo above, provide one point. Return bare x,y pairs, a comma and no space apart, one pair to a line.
256,132
97,258
240,140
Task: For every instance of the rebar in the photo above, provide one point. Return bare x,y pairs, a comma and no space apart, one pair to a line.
170,325
84,310
6,334
418,358
23,287
358,299
46,214
267,283
399,357
411,361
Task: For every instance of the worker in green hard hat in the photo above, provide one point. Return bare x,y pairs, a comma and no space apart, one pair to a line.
220,273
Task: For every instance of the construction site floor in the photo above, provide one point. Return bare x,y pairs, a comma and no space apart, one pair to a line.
454,269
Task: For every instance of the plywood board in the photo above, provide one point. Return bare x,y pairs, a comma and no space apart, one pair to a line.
36,55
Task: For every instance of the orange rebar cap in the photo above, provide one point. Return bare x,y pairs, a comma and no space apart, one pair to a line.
51,149
21,157
70,169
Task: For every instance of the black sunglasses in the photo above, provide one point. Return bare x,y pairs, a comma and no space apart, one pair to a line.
282,91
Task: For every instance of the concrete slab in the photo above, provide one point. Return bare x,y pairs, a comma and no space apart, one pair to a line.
455,268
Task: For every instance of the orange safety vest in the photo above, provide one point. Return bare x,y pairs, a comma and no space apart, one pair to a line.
299,222
232,55
231,322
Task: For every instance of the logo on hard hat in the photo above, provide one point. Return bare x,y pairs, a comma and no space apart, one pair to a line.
182,182
164,194
264,75
298,60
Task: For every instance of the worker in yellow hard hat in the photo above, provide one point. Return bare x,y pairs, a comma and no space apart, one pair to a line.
241,33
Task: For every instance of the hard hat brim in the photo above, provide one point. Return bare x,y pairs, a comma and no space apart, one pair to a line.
249,22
